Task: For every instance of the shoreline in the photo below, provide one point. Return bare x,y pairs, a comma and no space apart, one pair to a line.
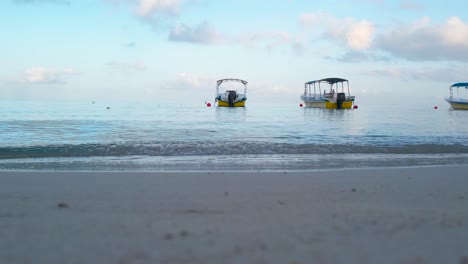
373,215
217,170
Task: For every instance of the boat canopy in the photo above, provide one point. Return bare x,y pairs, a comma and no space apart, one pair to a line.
331,81
460,85
219,82
457,86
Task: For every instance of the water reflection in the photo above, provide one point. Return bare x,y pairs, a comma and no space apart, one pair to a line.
340,124
326,114
231,114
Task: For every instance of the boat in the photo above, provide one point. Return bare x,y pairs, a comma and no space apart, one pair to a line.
458,102
230,97
337,96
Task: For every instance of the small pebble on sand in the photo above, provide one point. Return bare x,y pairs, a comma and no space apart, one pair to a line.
184,233
62,205
168,236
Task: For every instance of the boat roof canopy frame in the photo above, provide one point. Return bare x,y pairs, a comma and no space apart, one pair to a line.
219,82
328,80
460,85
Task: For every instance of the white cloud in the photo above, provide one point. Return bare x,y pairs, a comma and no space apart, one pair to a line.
120,65
150,7
423,40
450,73
359,56
454,32
183,88
130,44
66,2
38,75
270,40
298,47
156,13
411,5
356,35
189,81
201,34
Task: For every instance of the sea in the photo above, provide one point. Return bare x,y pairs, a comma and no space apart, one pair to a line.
146,136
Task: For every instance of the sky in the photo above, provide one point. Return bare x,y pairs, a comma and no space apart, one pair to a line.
175,50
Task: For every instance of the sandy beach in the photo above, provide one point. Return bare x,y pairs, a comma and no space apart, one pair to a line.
395,215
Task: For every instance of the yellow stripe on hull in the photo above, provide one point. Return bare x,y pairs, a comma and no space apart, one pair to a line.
344,105
329,105
226,104
459,106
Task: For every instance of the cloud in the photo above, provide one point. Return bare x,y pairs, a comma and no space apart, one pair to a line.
298,47
127,66
266,38
411,5
189,81
200,34
358,35
450,73
355,34
425,41
66,2
156,13
418,41
205,34
354,56
149,9
42,75
183,88
378,2
130,44
270,40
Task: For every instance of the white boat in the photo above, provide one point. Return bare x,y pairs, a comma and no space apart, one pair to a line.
331,99
230,97
457,101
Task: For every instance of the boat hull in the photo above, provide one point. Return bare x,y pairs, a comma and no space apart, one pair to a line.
226,104
329,105
344,105
458,106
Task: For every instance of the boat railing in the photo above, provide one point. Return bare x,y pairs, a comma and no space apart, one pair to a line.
312,97
459,99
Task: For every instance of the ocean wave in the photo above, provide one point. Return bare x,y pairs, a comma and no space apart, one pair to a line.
218,148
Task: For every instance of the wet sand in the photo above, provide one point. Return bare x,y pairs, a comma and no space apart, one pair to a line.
395,215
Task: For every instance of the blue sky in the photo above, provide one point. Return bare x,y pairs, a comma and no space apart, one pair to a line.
165,50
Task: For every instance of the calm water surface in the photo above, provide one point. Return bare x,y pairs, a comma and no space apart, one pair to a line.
148,136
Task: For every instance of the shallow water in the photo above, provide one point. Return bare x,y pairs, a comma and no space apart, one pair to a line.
146,136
